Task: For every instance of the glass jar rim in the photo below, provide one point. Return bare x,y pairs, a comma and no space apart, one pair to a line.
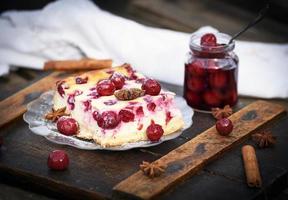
224,41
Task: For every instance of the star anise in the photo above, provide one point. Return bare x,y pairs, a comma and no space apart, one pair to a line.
129,94
264,139
219,113
54,115
153,169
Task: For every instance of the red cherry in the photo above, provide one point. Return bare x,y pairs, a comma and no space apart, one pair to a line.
94,95
218,79
154,132
139,111
211,98
151,106
224,126
58,160
209,39
118,80
196,84
196,68
80,80
105,87
67,126
140,127
126,115
131,72
193,99
151,87
108,120
133,76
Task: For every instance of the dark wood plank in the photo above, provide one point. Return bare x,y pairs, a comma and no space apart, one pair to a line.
15,105
8,192
273,166
193,155
210,185
187,16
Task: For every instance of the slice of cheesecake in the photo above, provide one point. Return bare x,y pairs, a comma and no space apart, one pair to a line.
118,106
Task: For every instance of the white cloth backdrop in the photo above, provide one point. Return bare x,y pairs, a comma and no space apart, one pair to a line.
71,29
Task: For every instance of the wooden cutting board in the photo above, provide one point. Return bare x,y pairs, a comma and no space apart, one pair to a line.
94,174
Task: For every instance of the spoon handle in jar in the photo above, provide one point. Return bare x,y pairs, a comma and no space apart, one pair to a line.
259,17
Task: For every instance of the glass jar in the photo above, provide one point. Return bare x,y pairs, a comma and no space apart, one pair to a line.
211,74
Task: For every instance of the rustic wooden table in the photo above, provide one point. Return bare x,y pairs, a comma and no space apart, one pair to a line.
222,179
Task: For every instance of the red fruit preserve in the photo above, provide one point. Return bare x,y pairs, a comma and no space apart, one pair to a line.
211,72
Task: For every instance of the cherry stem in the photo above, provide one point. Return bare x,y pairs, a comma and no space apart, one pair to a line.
255,21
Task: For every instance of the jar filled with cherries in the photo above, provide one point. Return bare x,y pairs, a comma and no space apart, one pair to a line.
211,72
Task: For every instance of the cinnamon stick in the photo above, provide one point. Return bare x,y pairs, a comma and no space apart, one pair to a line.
253,177
84,64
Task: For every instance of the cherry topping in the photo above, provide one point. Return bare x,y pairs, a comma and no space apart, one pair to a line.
87,105
118,80
71,101
110,71
78,92
133,76
224,126
126,115
139,111
96,115
151,106
94,95
131,72
209,39
154,132
140,127
58,160
151,87
60,89
80,80
67,126
108,120
128,68
105,87
168,117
